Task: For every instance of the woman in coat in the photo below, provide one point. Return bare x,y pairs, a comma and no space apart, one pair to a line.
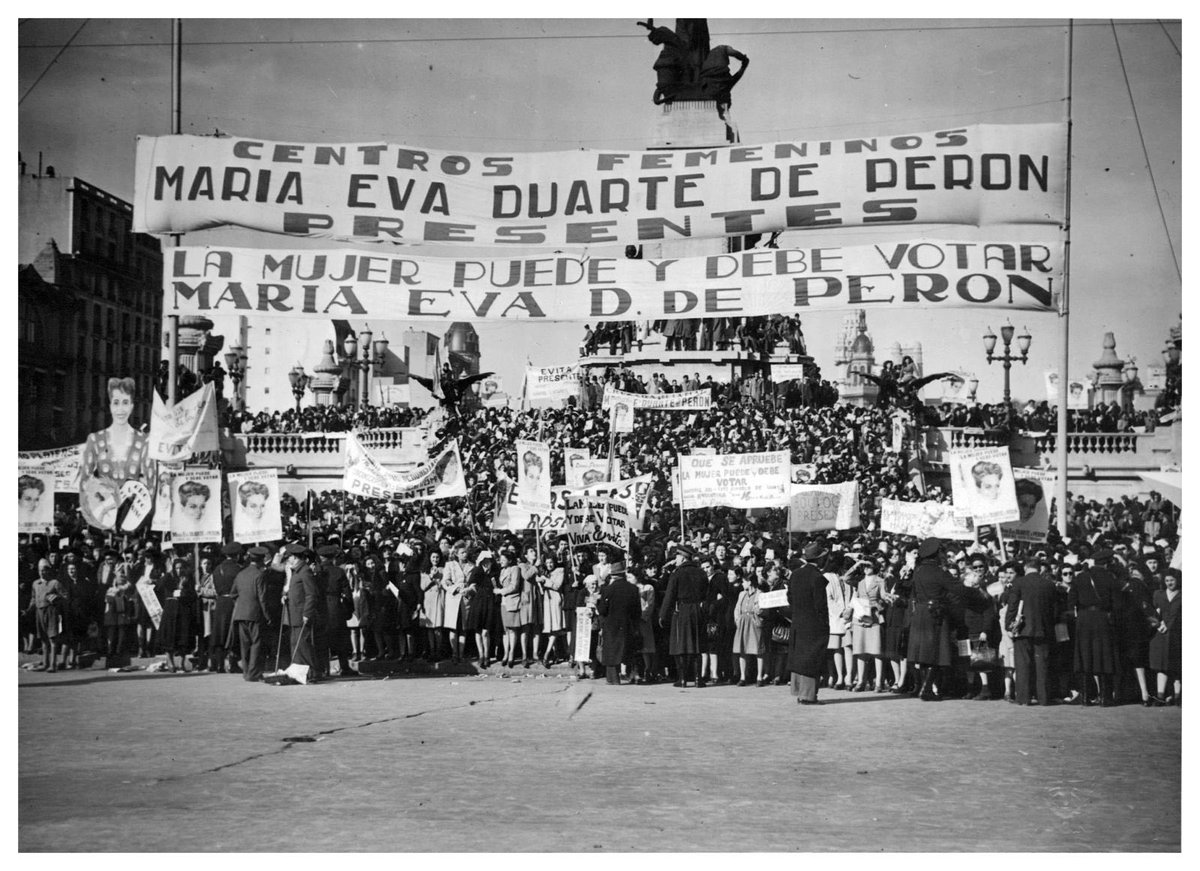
748,631
177,595
433,605
929,633
1166,647
809,638
865,626
620,610
509,593
363,615
551,579
454,582
478,607
983,623
838,603
897,599
384,608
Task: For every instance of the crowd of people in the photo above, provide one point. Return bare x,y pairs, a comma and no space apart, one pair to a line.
433,580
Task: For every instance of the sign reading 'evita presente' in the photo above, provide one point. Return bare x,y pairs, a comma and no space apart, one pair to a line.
350,283
977,175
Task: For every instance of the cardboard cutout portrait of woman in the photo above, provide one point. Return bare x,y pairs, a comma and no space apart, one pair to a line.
112,456
35,500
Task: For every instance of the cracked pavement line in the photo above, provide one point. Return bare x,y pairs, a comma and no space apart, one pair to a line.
289,743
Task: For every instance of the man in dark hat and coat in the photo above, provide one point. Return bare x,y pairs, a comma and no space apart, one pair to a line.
224,577
339,603
929,631
1034,597
1093,597
809,637
305,606
683,605
250,612
620,610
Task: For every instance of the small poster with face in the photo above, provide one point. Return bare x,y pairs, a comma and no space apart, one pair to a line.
982,484
533,474
35,498
196,506
585,473
161,522
254,498
1035,488
571,456
622,417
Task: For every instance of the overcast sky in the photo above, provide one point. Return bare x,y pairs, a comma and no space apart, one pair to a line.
546,84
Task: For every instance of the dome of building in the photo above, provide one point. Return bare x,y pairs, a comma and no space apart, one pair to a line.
862,343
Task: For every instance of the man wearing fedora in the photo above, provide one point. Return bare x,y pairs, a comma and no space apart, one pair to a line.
620,610
682,606
250,612
339,604
305,606
809,637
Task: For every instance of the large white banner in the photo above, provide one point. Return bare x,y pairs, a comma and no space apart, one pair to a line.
1035,488
552,382
511,514
441,477
981,482
689,400
187,428
533,474
254,498
196,512
814,507
63,462
758,480
916,273
973,175
35,497
924,520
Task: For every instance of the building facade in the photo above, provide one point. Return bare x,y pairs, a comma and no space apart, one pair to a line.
90,308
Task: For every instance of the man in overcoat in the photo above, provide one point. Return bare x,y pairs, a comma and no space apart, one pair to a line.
339,605
683,606
304,605
250,612
224,578
620,610
1034,597
809,638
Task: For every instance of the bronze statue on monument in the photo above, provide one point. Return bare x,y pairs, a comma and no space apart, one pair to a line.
688,69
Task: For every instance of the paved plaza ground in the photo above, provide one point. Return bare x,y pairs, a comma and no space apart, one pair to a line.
150,762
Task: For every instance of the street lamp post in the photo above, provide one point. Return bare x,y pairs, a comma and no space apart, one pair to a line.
374,351
1007,358
235,363
299,380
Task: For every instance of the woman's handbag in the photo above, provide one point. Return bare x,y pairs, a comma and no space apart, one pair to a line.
781,634
983,655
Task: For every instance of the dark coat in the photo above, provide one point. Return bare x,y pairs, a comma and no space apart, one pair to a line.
929,630
305,602
1093,596
620,610
1037,597
250,595
224,577
810,620
1166,648
339,602
683,605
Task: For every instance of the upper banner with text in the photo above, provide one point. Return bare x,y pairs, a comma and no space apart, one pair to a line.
322,284
975,175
